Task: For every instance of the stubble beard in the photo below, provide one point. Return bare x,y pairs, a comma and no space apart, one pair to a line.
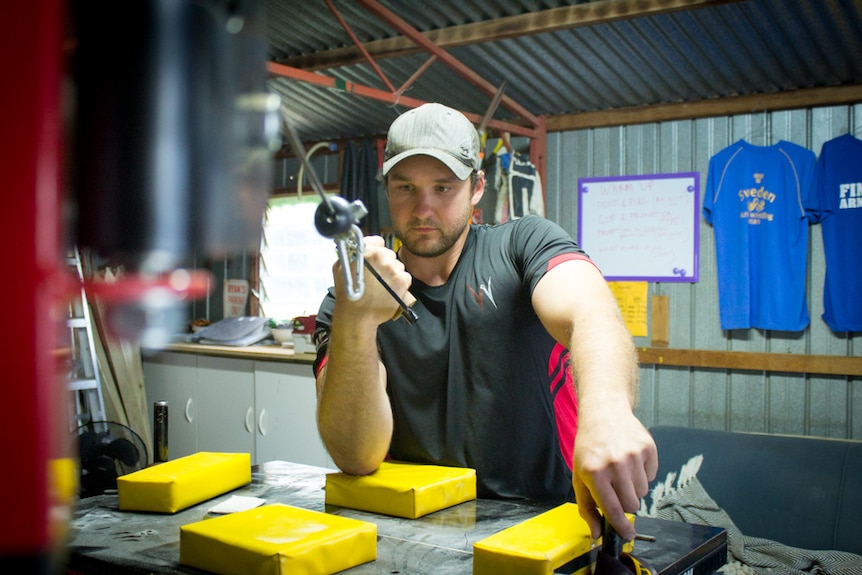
429,247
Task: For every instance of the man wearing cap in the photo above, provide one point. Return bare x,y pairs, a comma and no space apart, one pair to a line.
518,345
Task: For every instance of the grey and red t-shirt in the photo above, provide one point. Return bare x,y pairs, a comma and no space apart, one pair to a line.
477,382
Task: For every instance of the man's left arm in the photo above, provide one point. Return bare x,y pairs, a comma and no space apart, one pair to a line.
615,457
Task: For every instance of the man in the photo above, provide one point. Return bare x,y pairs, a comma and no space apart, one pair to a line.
507,315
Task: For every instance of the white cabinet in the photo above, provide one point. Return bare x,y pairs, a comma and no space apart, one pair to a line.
286,403
225,405
172,377
264,408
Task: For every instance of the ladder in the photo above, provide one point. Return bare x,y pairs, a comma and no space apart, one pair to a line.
84,380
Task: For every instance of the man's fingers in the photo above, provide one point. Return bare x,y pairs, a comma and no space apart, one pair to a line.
651,463
621,525
615,469
641,478
587,509
616,491
383,264
614,506
373,241
409,299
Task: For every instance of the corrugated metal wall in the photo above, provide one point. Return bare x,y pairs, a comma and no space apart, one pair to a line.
828,406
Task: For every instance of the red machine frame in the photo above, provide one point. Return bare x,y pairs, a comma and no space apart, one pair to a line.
34,422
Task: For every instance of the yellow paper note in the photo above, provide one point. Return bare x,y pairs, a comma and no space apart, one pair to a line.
632,300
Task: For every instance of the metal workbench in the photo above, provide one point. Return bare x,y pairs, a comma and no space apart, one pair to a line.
106,540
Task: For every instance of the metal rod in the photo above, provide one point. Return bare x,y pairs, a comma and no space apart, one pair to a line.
359,44
644,537
384,96
459,67
299,150
416,74
492,107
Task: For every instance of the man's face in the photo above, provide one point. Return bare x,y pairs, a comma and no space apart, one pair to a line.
430,207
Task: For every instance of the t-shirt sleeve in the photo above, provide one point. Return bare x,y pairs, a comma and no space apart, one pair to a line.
710,190
322,326
808,186
538,244
821,207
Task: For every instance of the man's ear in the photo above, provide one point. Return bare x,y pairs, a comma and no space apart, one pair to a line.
479,190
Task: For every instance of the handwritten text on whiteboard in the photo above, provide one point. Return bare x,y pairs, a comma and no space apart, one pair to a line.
641,227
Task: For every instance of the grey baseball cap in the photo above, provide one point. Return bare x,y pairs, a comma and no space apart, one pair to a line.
434,130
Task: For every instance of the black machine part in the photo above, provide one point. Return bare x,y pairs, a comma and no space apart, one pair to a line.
172,148
610,559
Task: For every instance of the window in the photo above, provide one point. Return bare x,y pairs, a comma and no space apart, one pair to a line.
295,260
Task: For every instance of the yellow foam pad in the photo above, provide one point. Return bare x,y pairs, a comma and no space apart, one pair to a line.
538,545
63,485
172,486
63,478
402,489
276,540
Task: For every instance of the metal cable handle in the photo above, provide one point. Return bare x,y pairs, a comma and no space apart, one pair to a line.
338,219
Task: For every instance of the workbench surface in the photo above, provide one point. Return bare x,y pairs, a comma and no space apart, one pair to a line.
106,540
259,351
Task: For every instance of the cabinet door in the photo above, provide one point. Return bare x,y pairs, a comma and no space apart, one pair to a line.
286,403
226,405
172,377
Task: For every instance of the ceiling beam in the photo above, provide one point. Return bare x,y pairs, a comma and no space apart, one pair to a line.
806,98
388,97
552,20
453,63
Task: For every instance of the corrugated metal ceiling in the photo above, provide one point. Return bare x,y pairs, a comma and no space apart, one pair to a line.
688,53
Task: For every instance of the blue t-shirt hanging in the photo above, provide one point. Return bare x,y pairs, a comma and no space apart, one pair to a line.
758,201
838,179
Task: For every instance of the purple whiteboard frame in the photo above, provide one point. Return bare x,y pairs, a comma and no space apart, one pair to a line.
647,222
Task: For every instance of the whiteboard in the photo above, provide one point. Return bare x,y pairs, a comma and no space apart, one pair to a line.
641,227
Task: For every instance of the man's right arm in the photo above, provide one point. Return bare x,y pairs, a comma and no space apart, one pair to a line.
353,413
354,416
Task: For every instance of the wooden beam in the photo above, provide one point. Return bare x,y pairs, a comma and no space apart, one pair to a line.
752,361
806,98
541,22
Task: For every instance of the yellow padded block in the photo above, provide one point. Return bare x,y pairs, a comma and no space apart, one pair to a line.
172,486
402,489
276,540
63,486
538,545
63,479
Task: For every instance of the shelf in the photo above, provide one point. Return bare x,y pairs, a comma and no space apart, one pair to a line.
752,361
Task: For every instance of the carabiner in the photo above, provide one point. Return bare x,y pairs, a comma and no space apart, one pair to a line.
350,248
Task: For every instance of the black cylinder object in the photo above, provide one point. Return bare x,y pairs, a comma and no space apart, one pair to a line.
160,432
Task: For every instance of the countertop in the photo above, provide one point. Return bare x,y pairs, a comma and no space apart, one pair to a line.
106,540
260,352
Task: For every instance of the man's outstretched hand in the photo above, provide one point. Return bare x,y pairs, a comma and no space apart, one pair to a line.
614,461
